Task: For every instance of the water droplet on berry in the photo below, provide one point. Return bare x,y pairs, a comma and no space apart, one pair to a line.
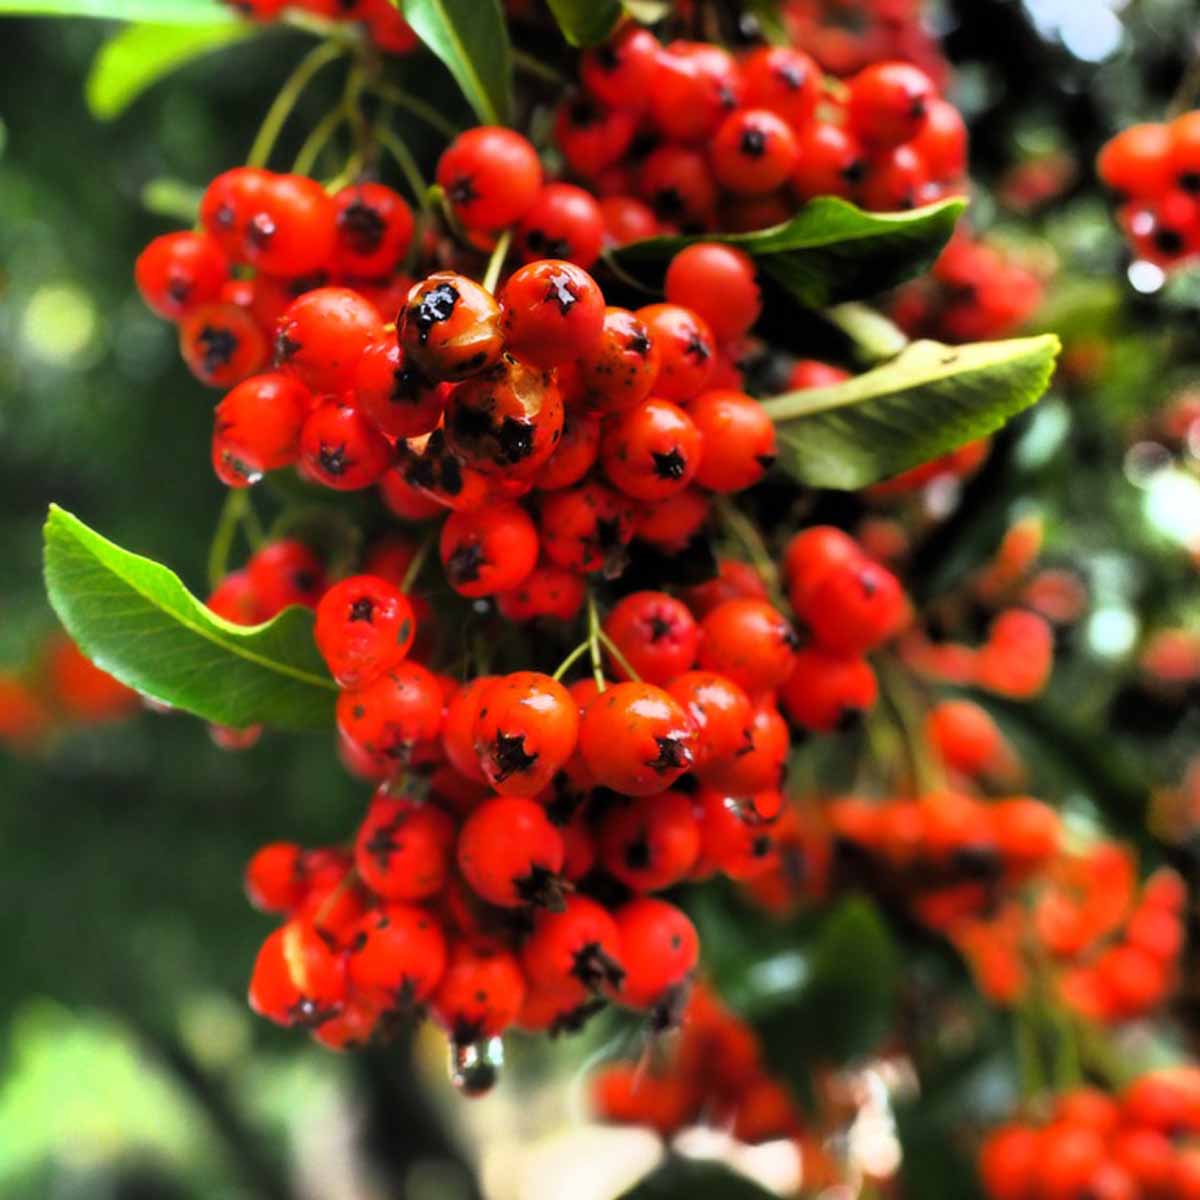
475,1068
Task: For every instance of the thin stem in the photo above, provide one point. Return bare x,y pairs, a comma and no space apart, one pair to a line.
1030,1075
594,642
897,691
415,105
532,66
232,511
285,101
496,262
252,527
418,561
620,658
408,166
746,534
571,659
316,141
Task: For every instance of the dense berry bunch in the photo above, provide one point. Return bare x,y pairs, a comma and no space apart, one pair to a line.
1139,1145
1153,171
380,19
688,136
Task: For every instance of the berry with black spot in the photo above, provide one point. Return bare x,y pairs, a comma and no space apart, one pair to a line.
651,452
760,764
387,720
719,709
374,229
856,607
621,71
221,344
488,550
895,180
289,227
617,372
591,135
526,728
365,626
587,528
565,222
450,327
749,641
511,854
655,633
285,572
548,592
397,956
430,468
553,312
830,162
297,979
256,428
481,992
636,740
734,837
784,80
322,336
650,842
888,103
578,944
738,440
753,152
659,951
491,177
677,183
828,692
696,85
404,848
341,449
686,347
575,453
179,271
396,397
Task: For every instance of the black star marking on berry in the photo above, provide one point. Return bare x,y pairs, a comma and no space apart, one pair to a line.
333,459
766,461
363,609
594,968
541,888
637,853
753,143
659,627
672,754
462,191
671,465
285,347
697,348
362,226
510,756
639,344
465,563
515,440
217,347
668,203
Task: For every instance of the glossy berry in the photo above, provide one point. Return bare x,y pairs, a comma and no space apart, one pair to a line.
553,312
785,81
830,162
340,448
256,428
396,398
580,943
364,627
888,103
620,73
635,739
677,183
738,439
1008,1163
942,143
827,691
734,838
733,579
565,222
754,152
374,228
650,842
856,608
687,350
761,763
226,204
652,451
1136,163
397,956
491,177
221,344
488,551
591,135
450,327
285,572
673,523
618,370
177,272
696,85
573,456
720,711
404,848
290,228
811,555
627,219
297,979
511,854
718,283
751,642
481,992
506,421
656,635
323,334
586,528
659,950
525,729
390,717
275,879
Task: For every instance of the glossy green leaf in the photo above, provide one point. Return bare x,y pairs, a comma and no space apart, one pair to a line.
140,55
134,618
161,12
828,252
471,38
585,22
688,1179
927,401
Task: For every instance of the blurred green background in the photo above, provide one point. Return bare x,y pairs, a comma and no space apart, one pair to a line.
129,1065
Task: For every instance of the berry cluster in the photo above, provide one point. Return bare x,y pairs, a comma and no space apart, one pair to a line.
1140,1145
707,140
1153,171
974,291
62,689
380,19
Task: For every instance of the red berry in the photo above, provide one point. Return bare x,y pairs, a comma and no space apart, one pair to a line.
397,956
221,344
404,848
655,633
553,312
450,327
374,228
621,72
751,642
888,103
511,854
390,717
659,950
695,86
289,227
565,222
525,731
578,944
719,709
397,399
652,451
856,608
618,370
275,879
177,272
257,428
491,177
718,283
577,450
687,351
586,528
827,691
323,335
650,842
754,152
364,627
481,992
784,80
678,184
738,440
488,551
830,161
297,978
285,572
591,136
340,448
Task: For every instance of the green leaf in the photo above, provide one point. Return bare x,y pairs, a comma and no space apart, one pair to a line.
161,12
471,38
688,1179
140,55
586,22
829,251
648,12
927,401
842,1006
135,619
